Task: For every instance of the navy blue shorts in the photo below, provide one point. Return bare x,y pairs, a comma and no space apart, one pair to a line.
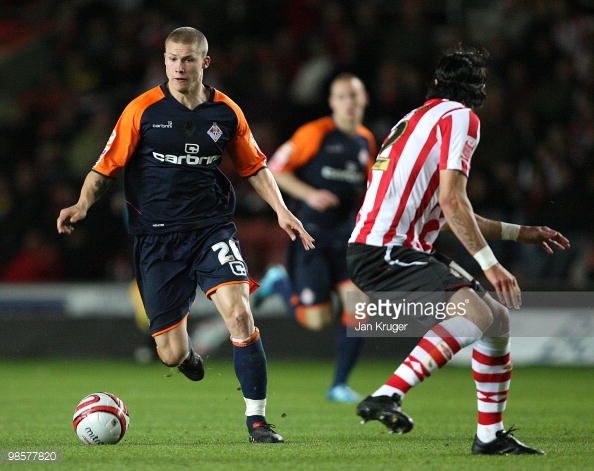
170,267
316,273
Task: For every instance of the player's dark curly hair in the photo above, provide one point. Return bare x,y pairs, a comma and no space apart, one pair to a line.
460,75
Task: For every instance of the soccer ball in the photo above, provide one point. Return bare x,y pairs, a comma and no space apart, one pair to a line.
100,419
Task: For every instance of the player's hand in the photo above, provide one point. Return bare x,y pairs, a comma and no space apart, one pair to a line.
549,239
506,286
293,227
67,218
321,200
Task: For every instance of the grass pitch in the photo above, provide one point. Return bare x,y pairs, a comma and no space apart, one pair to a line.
180,425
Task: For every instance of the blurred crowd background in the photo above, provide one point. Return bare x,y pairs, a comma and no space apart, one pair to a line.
67,69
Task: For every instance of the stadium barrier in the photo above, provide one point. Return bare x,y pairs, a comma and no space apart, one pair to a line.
97,320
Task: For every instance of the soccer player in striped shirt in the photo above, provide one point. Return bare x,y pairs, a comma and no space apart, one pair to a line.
170,140
416,188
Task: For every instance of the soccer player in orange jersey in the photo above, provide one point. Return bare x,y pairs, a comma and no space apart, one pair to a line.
170,141
323,168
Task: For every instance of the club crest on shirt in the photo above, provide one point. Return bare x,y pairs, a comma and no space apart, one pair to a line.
467,152
215,132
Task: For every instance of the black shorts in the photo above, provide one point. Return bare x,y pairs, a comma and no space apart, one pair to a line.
315,273
383,269
170,267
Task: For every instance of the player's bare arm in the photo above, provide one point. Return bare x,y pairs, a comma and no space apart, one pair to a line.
548,239
458,211
318,199
461,220
265,185
93,188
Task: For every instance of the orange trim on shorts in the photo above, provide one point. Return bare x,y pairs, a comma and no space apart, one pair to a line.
247,342
212,290
254,285
177,324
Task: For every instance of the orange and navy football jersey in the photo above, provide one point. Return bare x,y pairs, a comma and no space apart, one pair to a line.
324,157
171,156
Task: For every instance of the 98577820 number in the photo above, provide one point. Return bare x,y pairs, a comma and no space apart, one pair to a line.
13,456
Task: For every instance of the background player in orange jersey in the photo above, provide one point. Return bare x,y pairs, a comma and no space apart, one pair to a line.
323,167
170,140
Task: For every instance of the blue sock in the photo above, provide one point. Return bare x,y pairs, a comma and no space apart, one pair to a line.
347,353
251,371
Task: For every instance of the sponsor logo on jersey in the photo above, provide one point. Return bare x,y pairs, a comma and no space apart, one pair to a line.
190,158
168,125
187,159
349,174
334,148
191,148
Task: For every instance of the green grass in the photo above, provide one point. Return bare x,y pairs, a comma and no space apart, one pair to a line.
180,425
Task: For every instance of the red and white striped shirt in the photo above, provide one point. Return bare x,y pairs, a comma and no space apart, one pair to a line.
401,204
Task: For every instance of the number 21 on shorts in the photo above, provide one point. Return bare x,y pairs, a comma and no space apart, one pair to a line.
229,253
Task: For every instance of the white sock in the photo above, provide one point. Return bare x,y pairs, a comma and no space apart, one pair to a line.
491,369
486,433
385,390
255,407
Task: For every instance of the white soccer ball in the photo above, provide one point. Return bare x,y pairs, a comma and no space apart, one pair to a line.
100,419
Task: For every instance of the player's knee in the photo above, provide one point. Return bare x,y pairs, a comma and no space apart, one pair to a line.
172,346
172,355
481,314
314,317
239,322
501,321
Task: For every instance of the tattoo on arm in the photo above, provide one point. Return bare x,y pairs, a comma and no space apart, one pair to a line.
101,186
461,229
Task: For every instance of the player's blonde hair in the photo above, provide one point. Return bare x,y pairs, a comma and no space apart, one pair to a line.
188,35
346,77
